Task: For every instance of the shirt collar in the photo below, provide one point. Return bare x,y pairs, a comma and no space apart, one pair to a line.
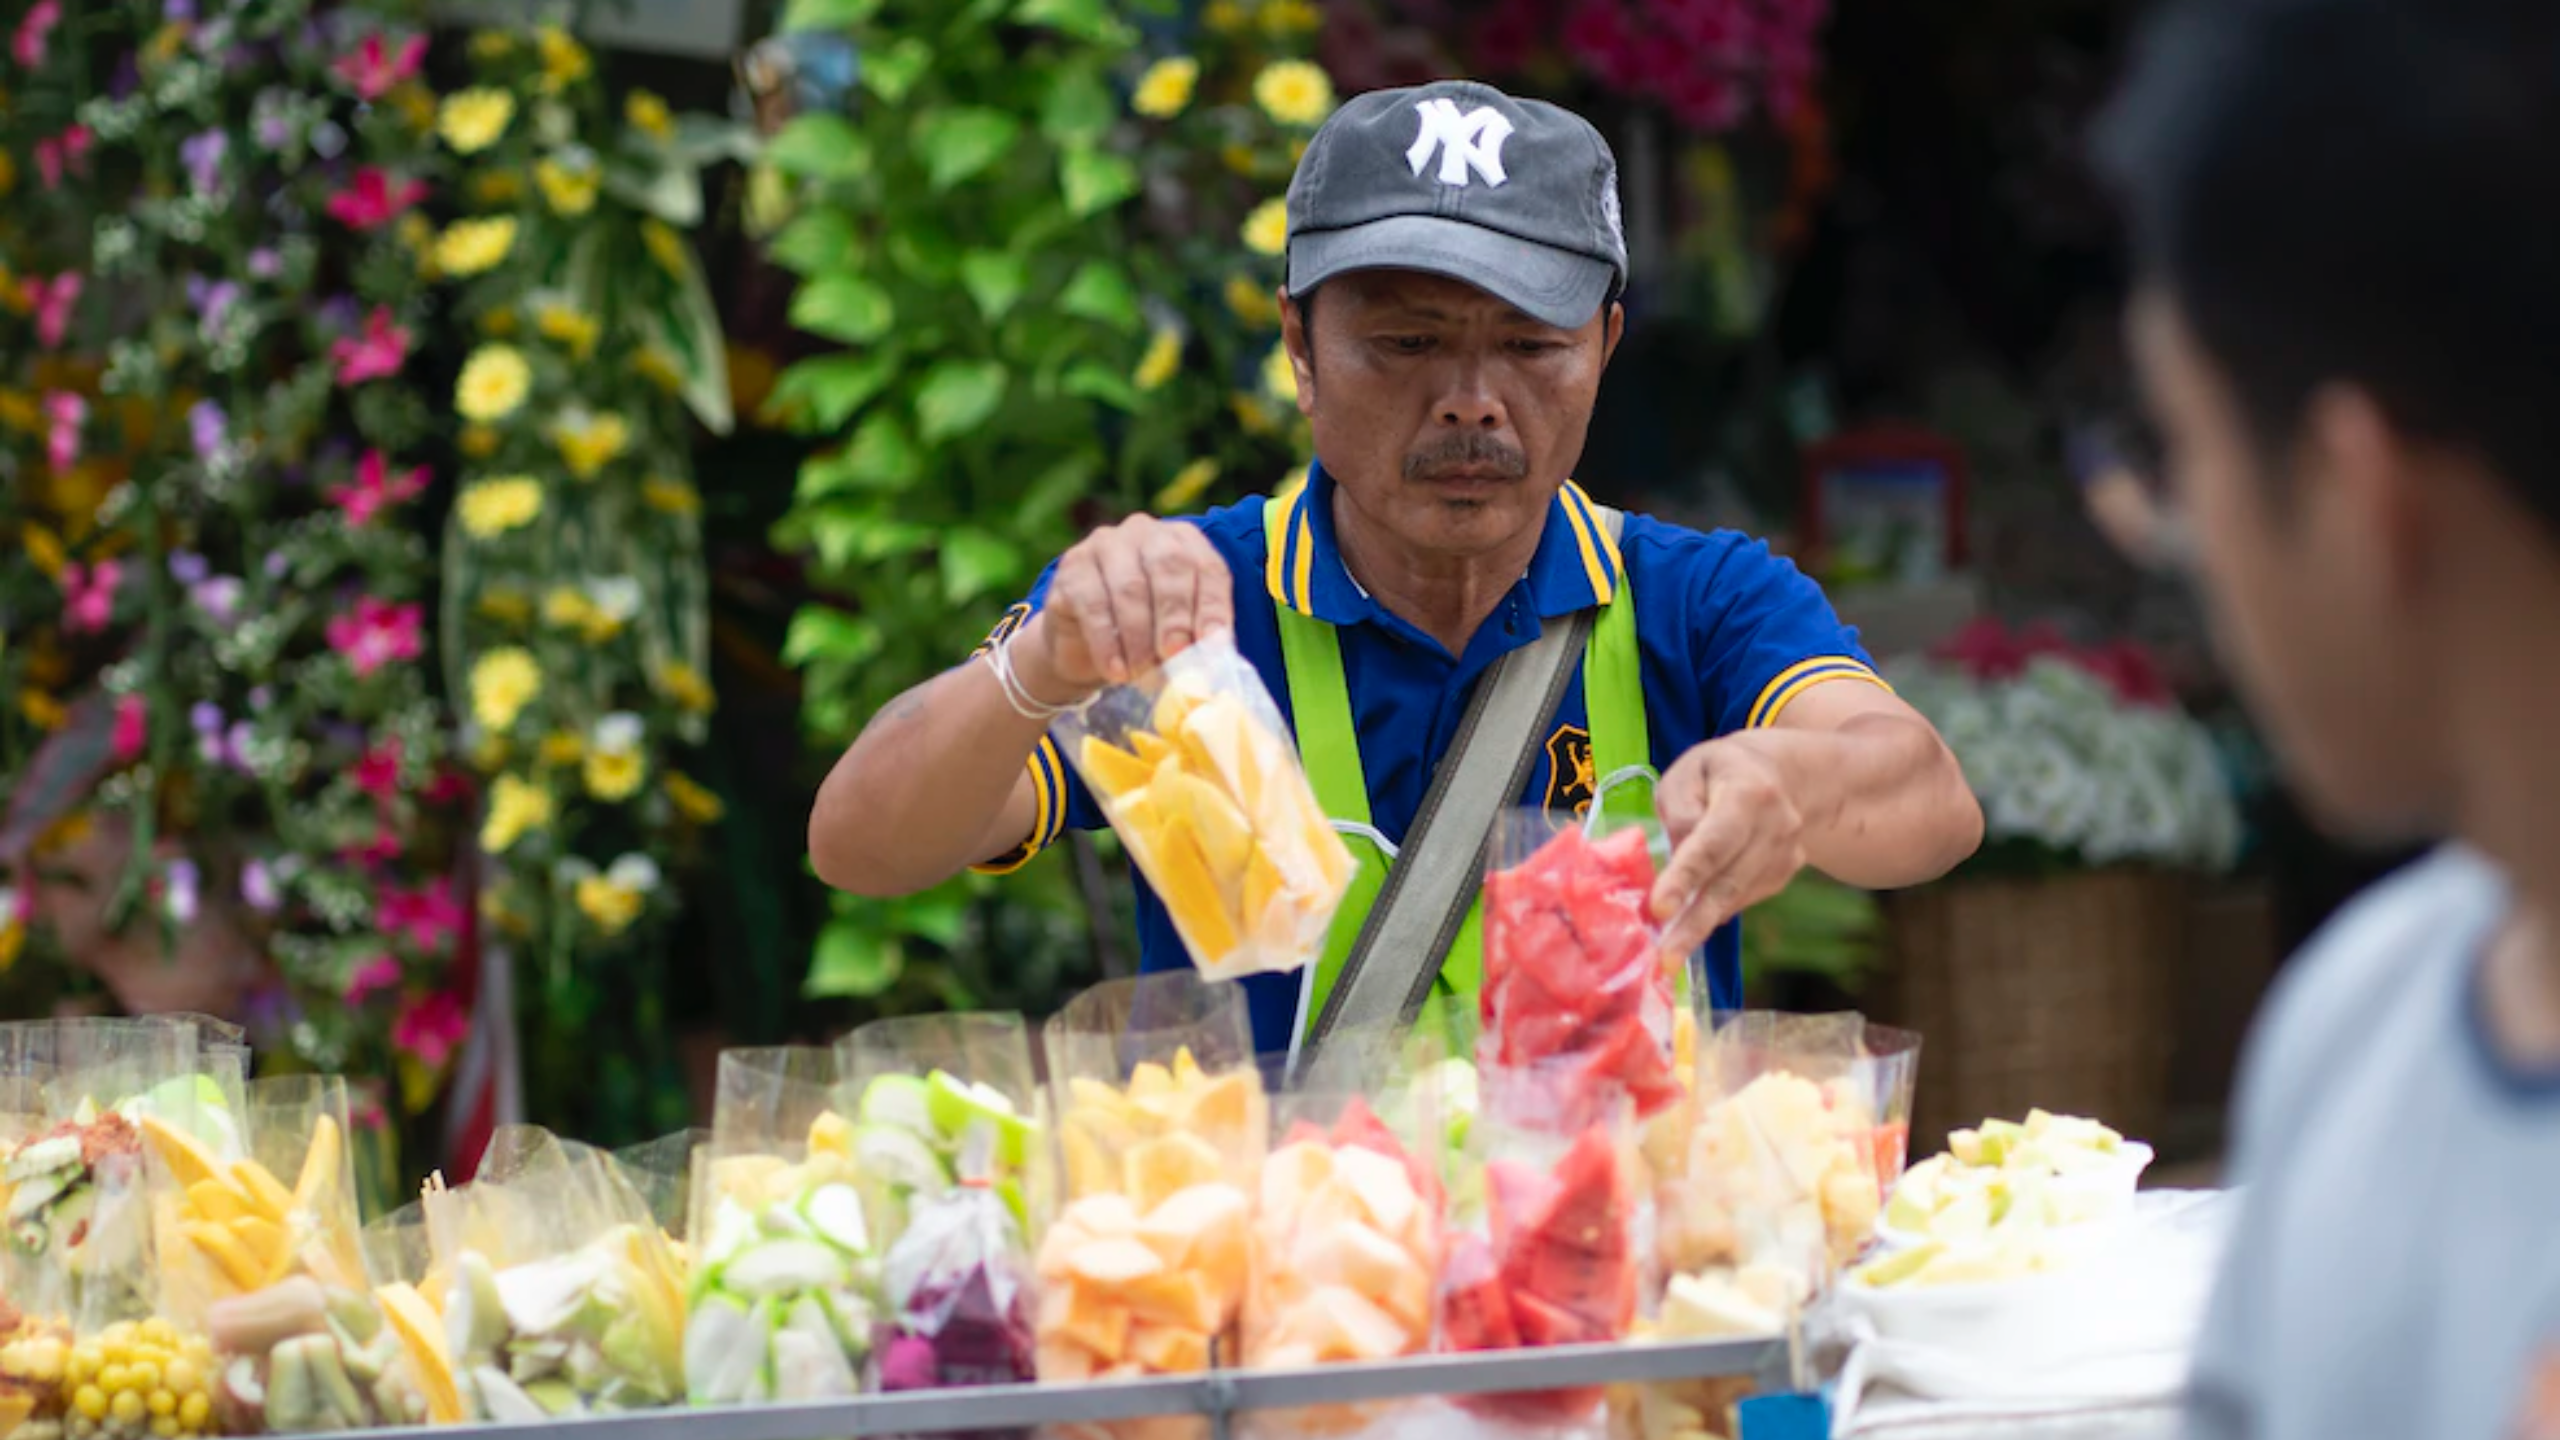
1577,565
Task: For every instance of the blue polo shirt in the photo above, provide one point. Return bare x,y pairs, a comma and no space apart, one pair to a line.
1730,635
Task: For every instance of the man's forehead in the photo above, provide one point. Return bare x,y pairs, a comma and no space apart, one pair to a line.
1419,292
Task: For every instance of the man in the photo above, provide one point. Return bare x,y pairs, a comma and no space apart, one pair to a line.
2349,326
1467,251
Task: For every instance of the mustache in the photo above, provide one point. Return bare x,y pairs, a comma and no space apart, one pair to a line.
1469,448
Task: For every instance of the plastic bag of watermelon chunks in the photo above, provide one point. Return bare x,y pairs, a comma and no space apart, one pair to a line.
1574,980
1163,1124
785,1263
949,1134
559,1295
1551,1246
1197,775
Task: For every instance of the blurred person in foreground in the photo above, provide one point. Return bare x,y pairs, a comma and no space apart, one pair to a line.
1455,258
2347,214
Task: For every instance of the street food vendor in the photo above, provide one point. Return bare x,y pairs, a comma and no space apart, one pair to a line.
1451,302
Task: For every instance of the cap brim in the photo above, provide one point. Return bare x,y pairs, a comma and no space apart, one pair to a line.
1557,287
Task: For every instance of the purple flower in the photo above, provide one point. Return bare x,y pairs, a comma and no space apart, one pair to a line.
187,567
277,565
260,698
258,887
205,424
271,119
235,741
205,717
175,11
339,314
203,154
181,897
212,301
218,598
265,263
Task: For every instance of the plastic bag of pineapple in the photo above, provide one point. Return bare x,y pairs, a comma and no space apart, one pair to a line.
559,1294
785,1270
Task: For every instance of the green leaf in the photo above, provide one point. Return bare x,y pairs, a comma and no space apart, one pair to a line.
826,14
844,307
975,562
893,69
995,280
1094,381
823,239
1084,19
881,456
672,192
828,389
937,915
853,963
956,396
959,143
926,252
1094,181
1079,109
1057,490
820,632
691,329
820,146
1100,292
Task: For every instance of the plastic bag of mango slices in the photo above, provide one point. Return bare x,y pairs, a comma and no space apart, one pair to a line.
1163,1125
1197,774
784,1267
560,1297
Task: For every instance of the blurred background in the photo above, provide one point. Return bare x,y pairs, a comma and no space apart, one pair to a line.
468,468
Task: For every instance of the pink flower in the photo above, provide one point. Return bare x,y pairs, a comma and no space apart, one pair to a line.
378,773
375,200
1706,100
374,491
132,728
382,849
429,1028
376,634
53,300
380,973
67,152
67,412
89,595
428,915
377,354
449,786
27,47
375,67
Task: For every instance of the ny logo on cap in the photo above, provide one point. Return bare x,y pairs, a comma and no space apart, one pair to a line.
1472,141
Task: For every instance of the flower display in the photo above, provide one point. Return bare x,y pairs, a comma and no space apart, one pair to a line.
1164,91
472,120
493,384
490,508
1294,92
1266,230
468,247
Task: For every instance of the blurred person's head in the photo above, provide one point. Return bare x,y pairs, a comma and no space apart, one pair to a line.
2346,215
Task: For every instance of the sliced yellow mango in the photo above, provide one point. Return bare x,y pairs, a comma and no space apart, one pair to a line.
215,1200
266,1195
1110,769
1186,1068
1190,891
421,1333
263,1239
1149,747
186,1156
223,1247
320,1164
1161,1168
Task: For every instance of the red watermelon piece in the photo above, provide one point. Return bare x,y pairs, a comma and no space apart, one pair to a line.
1542,1324
1570,968
1475,1309
1520,1195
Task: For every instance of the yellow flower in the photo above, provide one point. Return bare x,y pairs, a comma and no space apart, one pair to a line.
499,323
1240,159
13,938
665,246
1224,16
1166,88
569,189
669,497
494,507
495,909
692,801
649,115
492,45
469,247
654,364
562,747
416,232
1163,358
18,409
1252,412
564,60
479,441
1294,92
472,120
416,104
1278,375
1187,485
42,710
44,549
493,384
1251,303
516,807
497,187
616,763
506,605
163,45
567,607
1283,18
685,686
590,442
612,907
1266,230
569,327
503,682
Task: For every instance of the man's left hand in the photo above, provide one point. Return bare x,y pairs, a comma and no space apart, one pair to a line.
1737,837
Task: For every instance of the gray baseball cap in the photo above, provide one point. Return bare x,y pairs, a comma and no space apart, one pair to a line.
1516,197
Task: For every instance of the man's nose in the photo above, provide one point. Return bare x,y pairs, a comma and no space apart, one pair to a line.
1469,403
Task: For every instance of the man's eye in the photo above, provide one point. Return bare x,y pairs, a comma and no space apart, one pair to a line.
1407,344
1534,347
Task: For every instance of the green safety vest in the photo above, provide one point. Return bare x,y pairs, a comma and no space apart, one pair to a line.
1320,696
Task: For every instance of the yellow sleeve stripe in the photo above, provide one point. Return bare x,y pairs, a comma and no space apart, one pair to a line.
1302,575
1600,561
1796,679
1275,571
1049,812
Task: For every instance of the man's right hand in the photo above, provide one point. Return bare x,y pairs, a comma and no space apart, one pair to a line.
1123,601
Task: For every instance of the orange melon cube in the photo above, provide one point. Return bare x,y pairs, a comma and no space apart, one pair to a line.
1169,1349
1203,1228
1113,1264
1155,1171
1081,1315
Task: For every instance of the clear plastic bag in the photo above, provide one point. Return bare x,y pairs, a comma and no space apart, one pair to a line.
1198,775
78,1213
1163,1123
1574,978
409,1290
785,1256
560,1295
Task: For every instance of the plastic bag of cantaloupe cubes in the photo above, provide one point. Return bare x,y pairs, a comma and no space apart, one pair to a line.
1162,1125
1197,775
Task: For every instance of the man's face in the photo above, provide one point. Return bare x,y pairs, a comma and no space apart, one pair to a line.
2307,575
1448,417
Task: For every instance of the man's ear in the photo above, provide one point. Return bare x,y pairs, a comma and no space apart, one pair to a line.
1612,330
2374,480
1302,355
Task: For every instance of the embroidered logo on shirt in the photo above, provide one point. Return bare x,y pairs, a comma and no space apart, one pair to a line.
1014,619
1569,778
2538,1411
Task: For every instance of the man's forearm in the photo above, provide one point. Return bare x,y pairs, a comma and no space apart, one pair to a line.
1883,800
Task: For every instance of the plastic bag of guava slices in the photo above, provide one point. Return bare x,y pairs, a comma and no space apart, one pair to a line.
1574,978
1197,774
949,1134
560,1297
1163,1124
1550,1245
785,1263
